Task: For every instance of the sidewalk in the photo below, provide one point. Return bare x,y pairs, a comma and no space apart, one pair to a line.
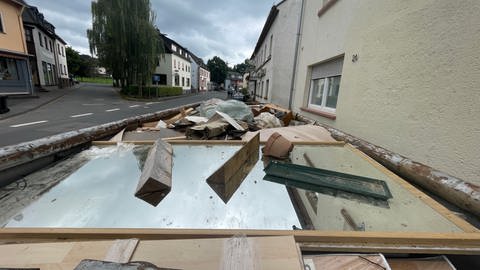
22,104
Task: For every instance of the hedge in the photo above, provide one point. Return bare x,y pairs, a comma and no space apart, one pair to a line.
152,91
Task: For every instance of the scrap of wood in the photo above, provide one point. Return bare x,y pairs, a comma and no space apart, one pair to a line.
179,116
118,137
228,178
156,179
121,250
346,261
175,138
223,116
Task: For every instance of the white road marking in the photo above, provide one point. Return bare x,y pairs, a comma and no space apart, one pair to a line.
134,106
81,115
112,110
93,104
151,103
29,124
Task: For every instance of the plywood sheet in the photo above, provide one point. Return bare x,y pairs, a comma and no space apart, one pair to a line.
346,261
259,253
305,133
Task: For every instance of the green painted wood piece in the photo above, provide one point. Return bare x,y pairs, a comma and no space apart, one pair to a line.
316,179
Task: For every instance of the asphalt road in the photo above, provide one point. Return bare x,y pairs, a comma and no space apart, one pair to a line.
86,106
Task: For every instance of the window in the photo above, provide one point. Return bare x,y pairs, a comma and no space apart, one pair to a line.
40,38
63,51
28,35
266,89
271,44
174,63
58,47
46,43
8,69
188,82
65,70
174,48
2,28
177,80
325,85
183,81
51,46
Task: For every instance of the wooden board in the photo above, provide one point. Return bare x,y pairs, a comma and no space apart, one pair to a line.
310,240
433,263
259,253
346,261
305,133
226,179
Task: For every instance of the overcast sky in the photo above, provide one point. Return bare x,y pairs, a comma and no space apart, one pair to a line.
226,28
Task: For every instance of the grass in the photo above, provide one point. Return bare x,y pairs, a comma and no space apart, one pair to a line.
100,80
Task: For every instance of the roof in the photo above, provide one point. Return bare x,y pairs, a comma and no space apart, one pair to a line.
167,43
268,24
199,61
32,16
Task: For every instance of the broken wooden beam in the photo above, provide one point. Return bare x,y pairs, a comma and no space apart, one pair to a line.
156,179
228,178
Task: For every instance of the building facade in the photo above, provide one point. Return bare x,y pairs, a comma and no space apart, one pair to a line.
401,75
61,62
200,74
274,53
174,66
15,75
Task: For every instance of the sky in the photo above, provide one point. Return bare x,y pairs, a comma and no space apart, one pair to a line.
225,28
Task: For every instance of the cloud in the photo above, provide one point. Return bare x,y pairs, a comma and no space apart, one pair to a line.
225,28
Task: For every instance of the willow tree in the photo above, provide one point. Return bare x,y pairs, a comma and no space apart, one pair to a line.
125,40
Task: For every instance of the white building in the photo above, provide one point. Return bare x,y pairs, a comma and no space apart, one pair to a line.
274,53
402,75
61,61
43,44
174,67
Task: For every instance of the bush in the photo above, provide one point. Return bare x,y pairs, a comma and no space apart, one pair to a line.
152,91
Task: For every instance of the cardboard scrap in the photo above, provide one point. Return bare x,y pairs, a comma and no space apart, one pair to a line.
156,179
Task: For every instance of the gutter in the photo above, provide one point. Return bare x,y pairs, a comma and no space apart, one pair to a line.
295,59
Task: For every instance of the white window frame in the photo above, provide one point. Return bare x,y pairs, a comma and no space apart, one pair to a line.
323,106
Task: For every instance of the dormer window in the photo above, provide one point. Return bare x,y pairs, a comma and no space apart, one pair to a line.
174,48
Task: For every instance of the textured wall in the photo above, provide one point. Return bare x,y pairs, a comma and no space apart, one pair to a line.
415,88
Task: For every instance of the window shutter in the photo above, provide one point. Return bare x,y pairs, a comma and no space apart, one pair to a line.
328,69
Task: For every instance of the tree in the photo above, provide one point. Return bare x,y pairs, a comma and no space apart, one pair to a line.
80,64
218,69
125,40
243,67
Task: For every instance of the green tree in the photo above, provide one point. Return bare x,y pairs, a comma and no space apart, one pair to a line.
73,60
125,40
218,69
243,67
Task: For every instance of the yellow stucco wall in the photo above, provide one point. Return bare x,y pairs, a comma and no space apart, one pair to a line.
415,88
14,38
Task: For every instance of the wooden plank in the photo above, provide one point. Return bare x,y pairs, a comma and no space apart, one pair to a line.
121,250
179,116
346,261
226,179
436,206
341,241
118,137
258,253
430,263
156,179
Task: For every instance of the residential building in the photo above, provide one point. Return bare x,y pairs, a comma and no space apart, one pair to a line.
61,62
401,75
274,52
200,74
15,76
234,80
174,66
40,36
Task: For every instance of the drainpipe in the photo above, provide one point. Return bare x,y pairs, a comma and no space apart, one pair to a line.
297,43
